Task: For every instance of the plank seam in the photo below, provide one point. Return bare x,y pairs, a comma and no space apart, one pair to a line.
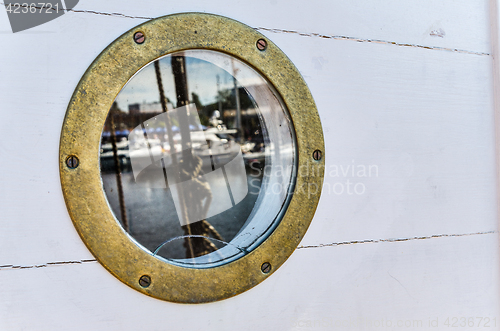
392,240
303,34
45,265
109,14
376,41
342,243
95,12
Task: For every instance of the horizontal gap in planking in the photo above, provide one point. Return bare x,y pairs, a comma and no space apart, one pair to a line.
304,34
393,240
354,242
375,41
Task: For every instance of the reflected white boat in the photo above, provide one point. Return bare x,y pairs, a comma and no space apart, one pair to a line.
214,145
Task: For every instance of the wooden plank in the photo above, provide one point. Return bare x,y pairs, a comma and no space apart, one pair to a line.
364,284
421,120
424,118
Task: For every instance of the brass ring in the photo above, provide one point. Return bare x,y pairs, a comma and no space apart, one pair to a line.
81,134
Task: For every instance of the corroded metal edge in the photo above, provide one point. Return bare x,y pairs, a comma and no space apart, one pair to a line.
81,132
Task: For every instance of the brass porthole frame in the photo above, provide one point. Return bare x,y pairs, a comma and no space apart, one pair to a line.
80,144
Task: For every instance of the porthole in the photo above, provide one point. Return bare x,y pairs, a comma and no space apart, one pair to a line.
188,158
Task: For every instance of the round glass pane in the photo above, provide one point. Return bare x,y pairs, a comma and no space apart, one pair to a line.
198,158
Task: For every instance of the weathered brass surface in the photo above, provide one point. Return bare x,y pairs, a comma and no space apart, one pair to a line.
81,133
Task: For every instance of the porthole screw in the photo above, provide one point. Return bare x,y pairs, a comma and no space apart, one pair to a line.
139,37
145,281
265,267
72,162
317,155
261,44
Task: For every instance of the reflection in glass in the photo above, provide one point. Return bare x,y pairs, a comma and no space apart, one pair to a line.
198,158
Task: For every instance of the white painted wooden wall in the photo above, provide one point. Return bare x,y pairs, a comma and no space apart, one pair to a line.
420,245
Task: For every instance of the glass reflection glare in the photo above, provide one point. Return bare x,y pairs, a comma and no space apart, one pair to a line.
197,158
